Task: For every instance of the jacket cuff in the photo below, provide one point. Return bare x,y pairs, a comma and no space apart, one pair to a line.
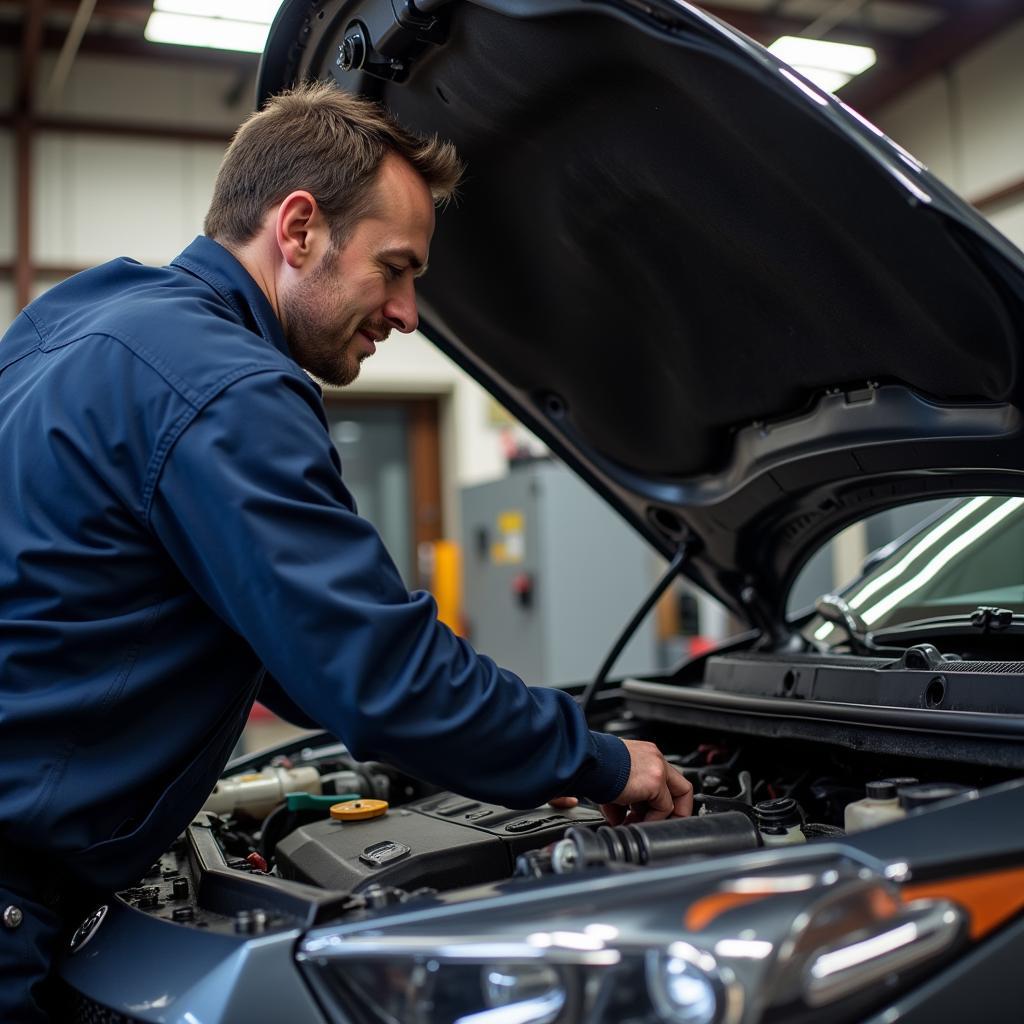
606,778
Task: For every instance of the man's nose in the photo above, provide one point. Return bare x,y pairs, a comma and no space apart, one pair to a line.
400,310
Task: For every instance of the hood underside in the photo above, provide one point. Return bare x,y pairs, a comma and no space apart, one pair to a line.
732,305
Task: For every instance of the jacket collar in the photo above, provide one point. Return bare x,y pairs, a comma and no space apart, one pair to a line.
211,262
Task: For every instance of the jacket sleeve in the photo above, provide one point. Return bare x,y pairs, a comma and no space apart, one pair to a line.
273,697
251,506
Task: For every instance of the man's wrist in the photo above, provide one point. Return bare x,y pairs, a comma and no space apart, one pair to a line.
606,777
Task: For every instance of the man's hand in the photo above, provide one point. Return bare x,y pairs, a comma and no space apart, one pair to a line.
654,790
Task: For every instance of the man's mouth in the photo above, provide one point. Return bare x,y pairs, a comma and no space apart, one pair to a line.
370,339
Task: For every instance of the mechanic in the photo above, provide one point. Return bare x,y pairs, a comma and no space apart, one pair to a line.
176,539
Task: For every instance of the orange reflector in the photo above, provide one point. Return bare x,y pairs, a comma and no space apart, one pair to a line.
706,909
991,898
358,810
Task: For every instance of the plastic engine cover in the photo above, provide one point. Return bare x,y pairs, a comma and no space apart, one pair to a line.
443,841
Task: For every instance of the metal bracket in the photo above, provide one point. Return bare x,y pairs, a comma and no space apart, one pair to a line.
383,39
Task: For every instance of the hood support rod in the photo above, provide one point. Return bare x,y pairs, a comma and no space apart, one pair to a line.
597,683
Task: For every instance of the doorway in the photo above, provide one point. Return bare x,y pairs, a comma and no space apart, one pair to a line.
391,460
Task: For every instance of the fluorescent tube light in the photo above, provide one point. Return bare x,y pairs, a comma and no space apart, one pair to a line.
829,65
217,33
817,53
235,10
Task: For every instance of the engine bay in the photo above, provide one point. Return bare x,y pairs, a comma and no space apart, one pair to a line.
303,835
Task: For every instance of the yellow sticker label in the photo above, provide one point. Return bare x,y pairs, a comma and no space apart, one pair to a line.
510,548
512,521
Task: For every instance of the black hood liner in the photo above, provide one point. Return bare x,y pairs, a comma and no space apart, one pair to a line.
648,233
732,306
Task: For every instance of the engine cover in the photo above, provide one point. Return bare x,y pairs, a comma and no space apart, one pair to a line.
443,841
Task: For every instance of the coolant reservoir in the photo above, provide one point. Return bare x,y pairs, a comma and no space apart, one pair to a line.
257,793
779,822
881,805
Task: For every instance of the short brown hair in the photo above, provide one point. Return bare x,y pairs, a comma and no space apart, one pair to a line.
328,142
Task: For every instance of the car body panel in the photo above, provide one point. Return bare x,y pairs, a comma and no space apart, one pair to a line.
736,308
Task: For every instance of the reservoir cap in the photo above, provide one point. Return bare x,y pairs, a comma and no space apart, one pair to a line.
358,810
884,789
776,817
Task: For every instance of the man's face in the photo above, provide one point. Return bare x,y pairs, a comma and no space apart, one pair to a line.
354,296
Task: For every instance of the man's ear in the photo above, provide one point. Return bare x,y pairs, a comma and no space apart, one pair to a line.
300,230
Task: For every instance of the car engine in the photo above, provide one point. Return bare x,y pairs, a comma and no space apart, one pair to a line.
304,834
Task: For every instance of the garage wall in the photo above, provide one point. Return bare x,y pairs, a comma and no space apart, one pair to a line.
967,124
6,188
98,196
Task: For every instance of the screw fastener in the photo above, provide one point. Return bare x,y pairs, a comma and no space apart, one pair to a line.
13,917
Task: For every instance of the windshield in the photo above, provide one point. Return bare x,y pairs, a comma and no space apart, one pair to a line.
970,554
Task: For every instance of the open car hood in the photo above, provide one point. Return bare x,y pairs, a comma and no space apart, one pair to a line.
733,306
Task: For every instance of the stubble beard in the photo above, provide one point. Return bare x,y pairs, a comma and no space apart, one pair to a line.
312,340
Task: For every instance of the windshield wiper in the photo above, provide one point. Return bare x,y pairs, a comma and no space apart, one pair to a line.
991,620
832,608
963,625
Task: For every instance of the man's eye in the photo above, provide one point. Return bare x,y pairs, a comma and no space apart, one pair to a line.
395,272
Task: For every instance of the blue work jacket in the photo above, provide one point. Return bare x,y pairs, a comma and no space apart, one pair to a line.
176,540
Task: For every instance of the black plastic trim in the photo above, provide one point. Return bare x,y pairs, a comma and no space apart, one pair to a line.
961,723
225,890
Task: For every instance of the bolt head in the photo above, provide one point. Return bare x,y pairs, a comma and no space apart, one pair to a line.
13,917
352,51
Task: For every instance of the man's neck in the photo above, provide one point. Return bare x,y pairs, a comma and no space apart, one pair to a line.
258,262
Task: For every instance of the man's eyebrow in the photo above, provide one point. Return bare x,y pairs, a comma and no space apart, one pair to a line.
409,256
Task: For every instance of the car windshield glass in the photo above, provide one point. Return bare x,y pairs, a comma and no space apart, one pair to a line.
970,554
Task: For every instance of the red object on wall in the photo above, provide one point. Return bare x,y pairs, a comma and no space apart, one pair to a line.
261,714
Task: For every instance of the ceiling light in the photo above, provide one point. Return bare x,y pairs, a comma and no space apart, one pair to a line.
220,24
829,65
235,10
217,33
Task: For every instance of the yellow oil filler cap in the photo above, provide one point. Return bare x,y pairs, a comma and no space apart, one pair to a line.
358,810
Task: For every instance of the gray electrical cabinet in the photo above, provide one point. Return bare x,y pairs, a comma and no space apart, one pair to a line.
551,575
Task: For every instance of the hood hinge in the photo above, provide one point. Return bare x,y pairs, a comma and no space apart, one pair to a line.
383,38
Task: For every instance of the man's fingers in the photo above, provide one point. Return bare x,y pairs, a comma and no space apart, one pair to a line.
660,805
563,803
682,792
614,814
657,813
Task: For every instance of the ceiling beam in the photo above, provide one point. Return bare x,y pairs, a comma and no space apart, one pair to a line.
953,6
142,49
131,129
30,36
24,99
1011,193
931,52
123,10
87,126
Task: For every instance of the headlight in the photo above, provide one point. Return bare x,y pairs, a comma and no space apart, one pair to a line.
546,979
534,992
685,985
682,944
